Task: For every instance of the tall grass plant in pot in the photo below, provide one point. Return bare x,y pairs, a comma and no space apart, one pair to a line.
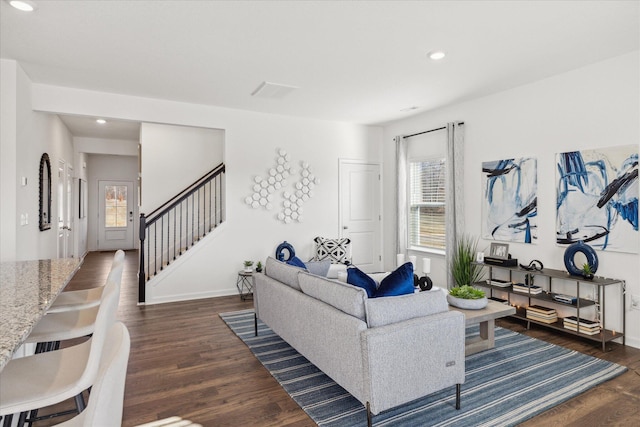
465,273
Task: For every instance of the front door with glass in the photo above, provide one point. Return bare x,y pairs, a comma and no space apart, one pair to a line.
115,219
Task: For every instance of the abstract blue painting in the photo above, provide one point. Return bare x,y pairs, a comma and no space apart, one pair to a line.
510,200
597,198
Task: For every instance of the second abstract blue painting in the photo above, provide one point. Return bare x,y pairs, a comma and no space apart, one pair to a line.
597,198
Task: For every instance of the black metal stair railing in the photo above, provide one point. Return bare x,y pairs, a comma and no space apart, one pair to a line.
167,232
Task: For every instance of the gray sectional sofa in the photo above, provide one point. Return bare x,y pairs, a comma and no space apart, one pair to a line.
384,351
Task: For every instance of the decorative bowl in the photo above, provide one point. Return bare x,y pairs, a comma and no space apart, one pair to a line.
467,304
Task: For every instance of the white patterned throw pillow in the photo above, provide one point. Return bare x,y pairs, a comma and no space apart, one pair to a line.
335,250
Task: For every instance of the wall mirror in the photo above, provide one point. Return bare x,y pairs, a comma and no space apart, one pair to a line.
45,192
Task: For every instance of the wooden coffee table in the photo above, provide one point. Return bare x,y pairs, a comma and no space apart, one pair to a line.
486,318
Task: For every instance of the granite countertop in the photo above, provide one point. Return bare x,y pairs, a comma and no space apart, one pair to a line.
27,289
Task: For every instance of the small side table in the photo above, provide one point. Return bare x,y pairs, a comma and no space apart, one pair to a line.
244,283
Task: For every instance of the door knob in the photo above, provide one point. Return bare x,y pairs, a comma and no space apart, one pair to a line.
344,227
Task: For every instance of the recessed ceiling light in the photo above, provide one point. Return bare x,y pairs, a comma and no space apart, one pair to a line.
101,121
436,55
25,6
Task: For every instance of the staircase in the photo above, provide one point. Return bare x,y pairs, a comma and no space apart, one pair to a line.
177,225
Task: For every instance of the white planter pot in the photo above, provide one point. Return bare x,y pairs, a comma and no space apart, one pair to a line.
467,304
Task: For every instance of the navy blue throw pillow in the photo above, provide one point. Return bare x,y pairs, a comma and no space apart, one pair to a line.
357,277
296,262
399,282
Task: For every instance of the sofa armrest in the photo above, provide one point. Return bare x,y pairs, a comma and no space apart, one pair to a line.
411,359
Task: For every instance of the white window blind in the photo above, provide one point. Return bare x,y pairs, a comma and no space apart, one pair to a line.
426,203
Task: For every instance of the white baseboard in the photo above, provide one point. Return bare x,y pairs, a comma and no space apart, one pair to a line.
192,296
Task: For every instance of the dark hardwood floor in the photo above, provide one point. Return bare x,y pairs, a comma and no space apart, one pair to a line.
184,361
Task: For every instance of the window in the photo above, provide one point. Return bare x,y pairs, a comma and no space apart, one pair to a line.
426,203
115,206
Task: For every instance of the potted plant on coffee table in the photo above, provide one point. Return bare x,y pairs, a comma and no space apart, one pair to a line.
467,297
465,272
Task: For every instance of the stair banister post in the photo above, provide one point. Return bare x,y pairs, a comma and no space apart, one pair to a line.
142,276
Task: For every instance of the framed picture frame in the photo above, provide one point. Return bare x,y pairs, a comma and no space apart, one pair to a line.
499,250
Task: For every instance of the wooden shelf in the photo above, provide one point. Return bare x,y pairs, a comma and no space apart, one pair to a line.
556,274
544,296
604,336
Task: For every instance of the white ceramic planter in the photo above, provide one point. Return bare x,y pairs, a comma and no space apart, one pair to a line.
467,304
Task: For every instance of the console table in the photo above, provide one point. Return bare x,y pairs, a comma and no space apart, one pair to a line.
27,290
547,296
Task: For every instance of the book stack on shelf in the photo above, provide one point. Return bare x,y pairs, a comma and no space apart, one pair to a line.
542,314
588,327
525,289
499,283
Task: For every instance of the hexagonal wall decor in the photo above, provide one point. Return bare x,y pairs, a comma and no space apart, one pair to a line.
263,188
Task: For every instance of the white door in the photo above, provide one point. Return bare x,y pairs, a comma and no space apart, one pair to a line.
115,215
65,199
360,212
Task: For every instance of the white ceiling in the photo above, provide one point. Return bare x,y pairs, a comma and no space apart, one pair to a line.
82,126
354,61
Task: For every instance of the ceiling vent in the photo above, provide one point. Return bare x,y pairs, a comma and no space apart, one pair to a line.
272,90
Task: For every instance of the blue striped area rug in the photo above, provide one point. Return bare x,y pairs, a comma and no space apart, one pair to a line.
518,379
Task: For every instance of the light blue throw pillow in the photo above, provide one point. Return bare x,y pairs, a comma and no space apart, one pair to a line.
319,268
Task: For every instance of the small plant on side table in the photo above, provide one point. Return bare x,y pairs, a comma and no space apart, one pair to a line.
259,267
248,266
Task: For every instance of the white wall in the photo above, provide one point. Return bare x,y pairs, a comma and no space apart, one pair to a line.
26,135
116,147
251,140
80,235
173,157
9,219
591,107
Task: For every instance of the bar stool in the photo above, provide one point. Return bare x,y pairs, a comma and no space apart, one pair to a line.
84,298
107,394
70,324
45,379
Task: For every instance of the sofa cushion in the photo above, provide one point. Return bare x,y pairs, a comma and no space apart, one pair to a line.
282,272
399,282
388,310
357,277
346,298
335,250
